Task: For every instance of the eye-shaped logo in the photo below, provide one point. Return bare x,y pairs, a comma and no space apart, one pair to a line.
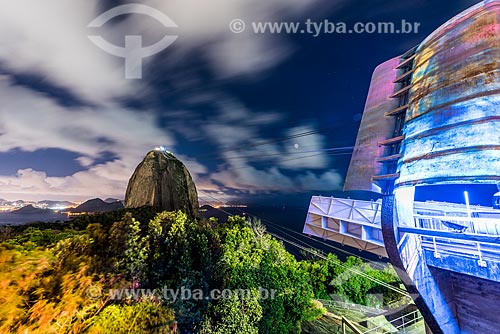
133,52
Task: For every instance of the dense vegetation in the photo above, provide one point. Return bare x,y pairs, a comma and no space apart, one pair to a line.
73,277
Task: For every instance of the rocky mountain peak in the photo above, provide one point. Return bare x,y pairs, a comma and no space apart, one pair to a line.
162,181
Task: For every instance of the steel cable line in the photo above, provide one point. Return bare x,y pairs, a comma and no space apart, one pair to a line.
328,152
284,160
282,229
357,272
266,142
317,253
332,149
275,225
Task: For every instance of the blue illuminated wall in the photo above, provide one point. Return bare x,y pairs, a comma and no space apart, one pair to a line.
453,124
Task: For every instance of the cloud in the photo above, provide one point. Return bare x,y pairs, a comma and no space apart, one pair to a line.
85,161
239,56
49,39
206,24
252,163
32,121
251,180
103,181
312,144
328,181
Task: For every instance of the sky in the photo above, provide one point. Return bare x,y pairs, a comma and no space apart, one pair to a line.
253,116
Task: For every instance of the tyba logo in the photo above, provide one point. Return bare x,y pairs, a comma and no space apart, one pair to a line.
133,51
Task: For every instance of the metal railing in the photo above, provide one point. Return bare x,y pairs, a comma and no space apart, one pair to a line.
404,321
479,251
346,323
334,304
473,225
400,324
467,228
410,251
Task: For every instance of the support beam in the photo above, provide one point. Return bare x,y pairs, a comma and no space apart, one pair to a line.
391,141
451,235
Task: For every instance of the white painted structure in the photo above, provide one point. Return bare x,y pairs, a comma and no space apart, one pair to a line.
357,224
348,222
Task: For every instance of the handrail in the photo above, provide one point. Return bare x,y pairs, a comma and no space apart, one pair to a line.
472,250
351,306
409,323
409,249
477,228
397,319
458,218
346,322
450,234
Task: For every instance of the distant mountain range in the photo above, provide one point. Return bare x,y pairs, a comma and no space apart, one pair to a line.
28,214
25,212
98,205
45,203
31,210
21,207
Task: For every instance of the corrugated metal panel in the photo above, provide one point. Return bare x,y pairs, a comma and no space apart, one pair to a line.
374,128
453,123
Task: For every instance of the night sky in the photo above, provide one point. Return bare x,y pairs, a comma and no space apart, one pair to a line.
255,117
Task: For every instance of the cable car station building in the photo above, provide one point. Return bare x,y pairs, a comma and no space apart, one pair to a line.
432,117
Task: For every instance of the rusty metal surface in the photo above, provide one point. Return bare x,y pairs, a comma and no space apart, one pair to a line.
374,128
453,123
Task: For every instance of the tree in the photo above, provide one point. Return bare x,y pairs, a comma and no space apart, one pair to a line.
258,261
138,318
233,315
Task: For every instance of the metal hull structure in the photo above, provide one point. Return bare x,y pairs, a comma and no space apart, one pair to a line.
432,117
449,258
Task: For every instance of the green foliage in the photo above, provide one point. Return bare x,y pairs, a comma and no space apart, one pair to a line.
319,277
233,316
257,260
129,247
143,248
358,288
332,277
138,318
182,253
32,237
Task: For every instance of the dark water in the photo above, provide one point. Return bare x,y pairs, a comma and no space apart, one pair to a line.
9,218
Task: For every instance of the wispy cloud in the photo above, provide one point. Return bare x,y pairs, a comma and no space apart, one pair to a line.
49,39
31,121
252,163
206,23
